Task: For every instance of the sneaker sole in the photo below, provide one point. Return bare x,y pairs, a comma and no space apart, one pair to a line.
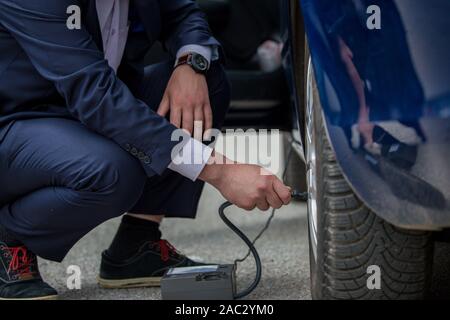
129,283
54,297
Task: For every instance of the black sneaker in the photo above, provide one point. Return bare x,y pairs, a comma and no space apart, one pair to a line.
19,276
144,269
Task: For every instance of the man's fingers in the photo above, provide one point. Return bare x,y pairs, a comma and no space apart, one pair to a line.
198,124
262,205
283,192
164,107
208,122
175,116
248,207
188,121
208,116
273,199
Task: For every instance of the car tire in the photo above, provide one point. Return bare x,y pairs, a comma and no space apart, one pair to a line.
348,242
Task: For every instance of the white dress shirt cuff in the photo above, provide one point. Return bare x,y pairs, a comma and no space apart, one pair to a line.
191,160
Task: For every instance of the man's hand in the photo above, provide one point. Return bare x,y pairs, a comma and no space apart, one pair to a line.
245,186
187,99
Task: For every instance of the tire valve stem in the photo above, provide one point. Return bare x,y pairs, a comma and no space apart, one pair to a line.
302,196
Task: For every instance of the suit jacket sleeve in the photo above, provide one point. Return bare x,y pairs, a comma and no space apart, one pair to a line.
183,23
93,93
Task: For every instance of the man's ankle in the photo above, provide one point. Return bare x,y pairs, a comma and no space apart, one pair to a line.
154,218
131,235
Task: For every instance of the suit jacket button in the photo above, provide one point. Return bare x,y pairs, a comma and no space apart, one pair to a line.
147,160
134,151
127,147
141,155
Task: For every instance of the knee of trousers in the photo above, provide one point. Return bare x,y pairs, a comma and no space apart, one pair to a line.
112,182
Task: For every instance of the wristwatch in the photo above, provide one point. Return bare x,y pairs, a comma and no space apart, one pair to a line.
196,61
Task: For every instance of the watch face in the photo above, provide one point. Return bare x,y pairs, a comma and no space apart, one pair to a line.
199,62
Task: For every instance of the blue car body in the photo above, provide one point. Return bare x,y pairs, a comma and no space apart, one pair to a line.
382,69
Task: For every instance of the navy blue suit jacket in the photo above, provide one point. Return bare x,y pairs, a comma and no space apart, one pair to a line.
47,70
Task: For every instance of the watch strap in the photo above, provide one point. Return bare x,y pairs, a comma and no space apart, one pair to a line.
184,59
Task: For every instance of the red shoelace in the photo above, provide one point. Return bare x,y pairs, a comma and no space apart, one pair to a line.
20,260
166,249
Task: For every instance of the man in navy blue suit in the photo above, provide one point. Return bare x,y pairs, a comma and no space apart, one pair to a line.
86,134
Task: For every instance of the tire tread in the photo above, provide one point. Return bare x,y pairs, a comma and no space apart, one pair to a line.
356,238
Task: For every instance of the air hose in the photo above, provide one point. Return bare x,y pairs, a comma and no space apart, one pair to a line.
251,247
251,244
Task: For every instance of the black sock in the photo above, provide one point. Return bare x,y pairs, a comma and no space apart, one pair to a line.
131,235
8,239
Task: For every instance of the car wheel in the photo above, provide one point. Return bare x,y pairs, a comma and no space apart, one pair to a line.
350,245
